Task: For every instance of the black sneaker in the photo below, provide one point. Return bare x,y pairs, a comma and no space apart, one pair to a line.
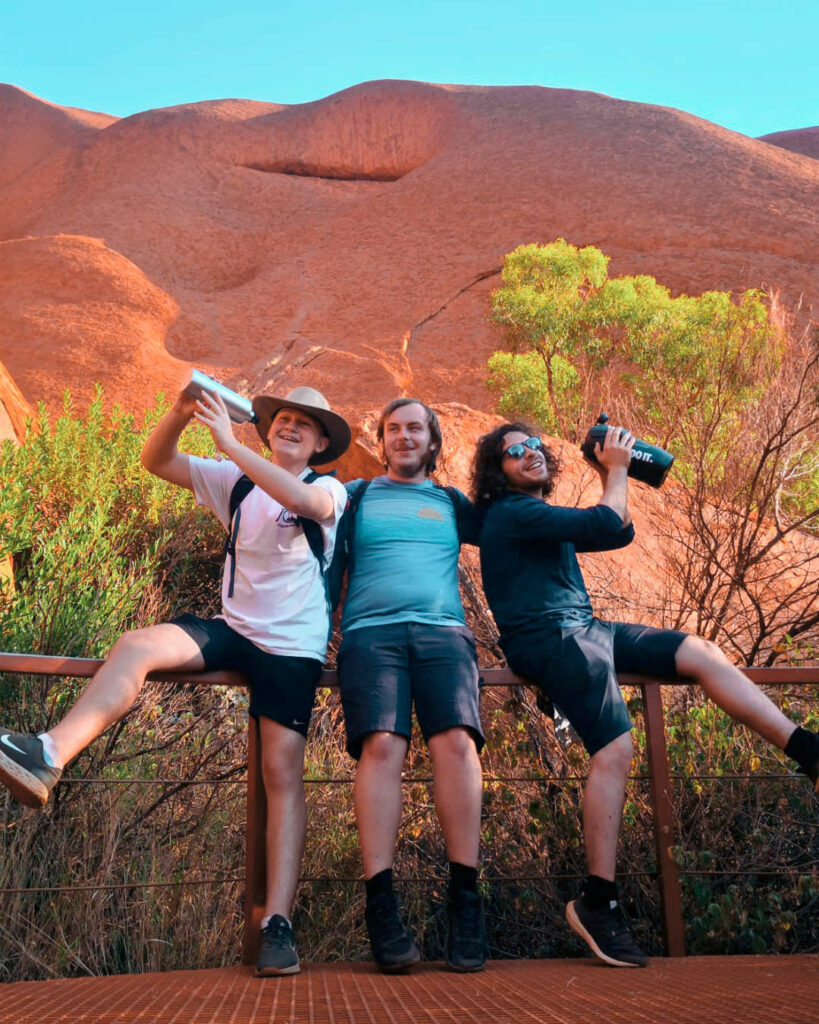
23,768
606,932
466,948
393,947
277,954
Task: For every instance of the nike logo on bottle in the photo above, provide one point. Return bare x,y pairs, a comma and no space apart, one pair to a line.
5,739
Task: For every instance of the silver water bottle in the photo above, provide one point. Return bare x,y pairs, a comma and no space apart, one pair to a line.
239,408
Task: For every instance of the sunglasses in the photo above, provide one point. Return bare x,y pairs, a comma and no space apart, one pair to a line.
517,451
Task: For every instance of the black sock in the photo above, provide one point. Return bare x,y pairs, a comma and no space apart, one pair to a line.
803,747
382,882
599,892
462,878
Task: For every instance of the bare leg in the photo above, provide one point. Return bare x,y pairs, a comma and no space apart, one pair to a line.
458,791
731,690
377,797
116,686
283,772
603,801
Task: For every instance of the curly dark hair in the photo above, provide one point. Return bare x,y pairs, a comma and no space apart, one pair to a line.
488,478
435,436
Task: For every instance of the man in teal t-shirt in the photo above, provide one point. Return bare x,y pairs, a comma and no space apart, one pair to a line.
406,641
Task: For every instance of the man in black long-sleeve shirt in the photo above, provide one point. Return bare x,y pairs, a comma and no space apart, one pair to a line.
550,636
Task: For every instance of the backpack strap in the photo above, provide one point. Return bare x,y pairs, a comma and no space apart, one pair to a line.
312,529
355,492
315,536
243,486
467,520
315,540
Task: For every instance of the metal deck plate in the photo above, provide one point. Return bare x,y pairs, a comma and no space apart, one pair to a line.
723,990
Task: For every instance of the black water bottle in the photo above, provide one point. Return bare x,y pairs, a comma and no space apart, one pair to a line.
648,462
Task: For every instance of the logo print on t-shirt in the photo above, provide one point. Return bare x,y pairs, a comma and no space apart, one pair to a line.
430,513
287,518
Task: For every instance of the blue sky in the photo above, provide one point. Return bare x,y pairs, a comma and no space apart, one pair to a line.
750,66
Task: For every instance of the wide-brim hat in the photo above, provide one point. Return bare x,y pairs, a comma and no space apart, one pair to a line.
314,404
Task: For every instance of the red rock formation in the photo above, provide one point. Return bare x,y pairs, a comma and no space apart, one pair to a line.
800,140
354,241
78,312
14,409
33,129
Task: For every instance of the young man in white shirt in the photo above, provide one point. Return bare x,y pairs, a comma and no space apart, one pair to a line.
274,623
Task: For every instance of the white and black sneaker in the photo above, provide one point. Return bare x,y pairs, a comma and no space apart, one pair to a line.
277,954
24,769
606,932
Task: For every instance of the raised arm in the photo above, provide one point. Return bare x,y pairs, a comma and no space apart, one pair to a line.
613,457
298,497
160,454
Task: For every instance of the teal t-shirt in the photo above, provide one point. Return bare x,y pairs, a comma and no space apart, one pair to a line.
405,558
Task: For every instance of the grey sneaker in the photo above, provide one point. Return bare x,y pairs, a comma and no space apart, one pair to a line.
393,947
23,768
466,948
606,932
277,954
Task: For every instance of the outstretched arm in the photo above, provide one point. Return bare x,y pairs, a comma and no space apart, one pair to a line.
297,496
160,454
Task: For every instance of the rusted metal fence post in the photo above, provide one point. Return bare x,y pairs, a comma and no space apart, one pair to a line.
670,896
255,855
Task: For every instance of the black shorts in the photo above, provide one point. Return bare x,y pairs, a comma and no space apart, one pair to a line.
383,669
282,688
577,666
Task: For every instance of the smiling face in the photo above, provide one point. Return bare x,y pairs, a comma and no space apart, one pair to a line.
529,474
294,437
407,443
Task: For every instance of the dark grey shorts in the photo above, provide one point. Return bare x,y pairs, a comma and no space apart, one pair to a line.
577,666
282,688
383,669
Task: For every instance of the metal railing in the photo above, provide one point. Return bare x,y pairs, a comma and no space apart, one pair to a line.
668,875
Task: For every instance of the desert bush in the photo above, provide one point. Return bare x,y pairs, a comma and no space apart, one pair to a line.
743,559
99,546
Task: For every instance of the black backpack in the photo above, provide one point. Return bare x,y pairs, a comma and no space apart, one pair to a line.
342,559
332,574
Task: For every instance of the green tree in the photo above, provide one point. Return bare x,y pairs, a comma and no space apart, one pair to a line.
582,341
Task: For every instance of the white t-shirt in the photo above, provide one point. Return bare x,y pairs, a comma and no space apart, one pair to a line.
279,602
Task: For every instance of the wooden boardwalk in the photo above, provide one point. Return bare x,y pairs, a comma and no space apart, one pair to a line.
699,990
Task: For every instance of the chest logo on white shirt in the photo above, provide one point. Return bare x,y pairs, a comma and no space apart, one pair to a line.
287,518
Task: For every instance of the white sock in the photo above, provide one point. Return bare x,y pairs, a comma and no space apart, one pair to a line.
50,751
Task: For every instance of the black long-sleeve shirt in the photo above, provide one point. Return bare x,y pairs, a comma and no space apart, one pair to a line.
531,576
